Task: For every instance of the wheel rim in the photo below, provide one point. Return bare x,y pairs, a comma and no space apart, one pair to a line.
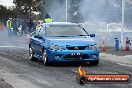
44,57
31,53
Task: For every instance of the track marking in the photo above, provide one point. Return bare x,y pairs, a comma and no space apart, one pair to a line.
14,47
126,65
7,46
128,56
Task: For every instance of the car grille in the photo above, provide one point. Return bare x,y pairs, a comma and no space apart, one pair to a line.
76,57
76,48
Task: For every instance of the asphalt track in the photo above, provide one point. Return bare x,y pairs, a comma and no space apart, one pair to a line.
19,72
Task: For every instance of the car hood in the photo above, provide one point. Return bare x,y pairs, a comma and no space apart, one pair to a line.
71,41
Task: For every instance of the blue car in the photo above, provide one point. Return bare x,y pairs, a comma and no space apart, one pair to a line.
63,42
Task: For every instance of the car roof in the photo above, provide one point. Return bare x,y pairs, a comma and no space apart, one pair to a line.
61,23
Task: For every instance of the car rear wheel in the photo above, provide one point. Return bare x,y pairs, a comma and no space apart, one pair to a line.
31,54
45,58
94,62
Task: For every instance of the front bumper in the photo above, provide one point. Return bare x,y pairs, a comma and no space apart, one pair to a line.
72,55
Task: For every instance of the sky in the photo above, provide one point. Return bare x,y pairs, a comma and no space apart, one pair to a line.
6,2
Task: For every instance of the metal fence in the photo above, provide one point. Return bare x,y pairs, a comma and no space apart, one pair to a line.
107,32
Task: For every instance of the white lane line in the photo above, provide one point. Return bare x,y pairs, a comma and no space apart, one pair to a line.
14,47
7,46
128,56
126,65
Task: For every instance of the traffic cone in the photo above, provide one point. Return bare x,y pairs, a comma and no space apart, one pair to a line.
123,49
127,49
103,48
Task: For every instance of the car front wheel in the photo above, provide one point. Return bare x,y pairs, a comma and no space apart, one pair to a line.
31,54
45,58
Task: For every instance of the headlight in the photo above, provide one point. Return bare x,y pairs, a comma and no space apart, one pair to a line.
56,47
93,47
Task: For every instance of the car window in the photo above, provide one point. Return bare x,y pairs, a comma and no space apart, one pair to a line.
65,31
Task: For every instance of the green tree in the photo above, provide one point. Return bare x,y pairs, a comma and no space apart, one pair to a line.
74,13
7,13
27,7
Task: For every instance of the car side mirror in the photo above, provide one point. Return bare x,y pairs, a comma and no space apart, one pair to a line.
92,35
33,34
36,36
39,37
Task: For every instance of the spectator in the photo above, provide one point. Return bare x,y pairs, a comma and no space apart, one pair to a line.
48,19
24,26
30,25
9,26
15,26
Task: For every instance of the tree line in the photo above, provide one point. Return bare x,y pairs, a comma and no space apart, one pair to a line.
22,9
6,12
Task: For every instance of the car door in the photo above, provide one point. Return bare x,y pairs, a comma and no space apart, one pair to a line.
40,45
40,42
35,45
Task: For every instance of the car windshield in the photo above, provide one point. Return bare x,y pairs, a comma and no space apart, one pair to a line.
65,31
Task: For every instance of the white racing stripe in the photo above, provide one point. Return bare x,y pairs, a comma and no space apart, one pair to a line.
126,65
